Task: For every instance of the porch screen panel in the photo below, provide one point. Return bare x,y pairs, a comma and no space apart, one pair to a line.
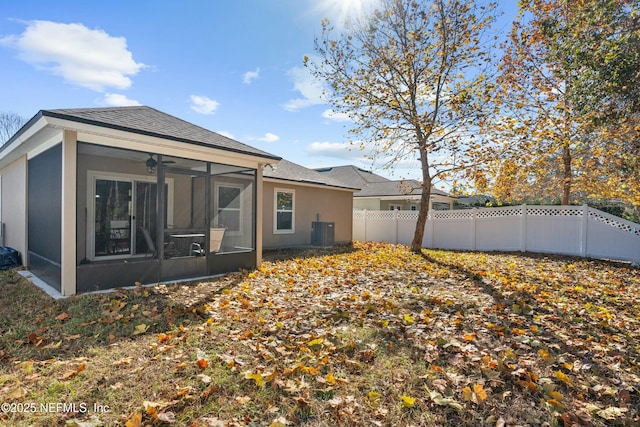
45,214
112,217
233,208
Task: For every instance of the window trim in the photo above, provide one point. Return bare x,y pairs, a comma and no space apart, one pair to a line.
276,210
240,210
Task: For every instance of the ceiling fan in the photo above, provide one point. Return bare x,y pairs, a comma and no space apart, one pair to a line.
151,163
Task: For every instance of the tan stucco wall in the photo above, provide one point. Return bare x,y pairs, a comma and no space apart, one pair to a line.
14,205
332,205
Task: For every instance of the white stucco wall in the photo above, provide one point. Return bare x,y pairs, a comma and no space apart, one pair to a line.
14,205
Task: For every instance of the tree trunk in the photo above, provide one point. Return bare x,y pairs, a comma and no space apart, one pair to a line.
566,147
566,174
416,244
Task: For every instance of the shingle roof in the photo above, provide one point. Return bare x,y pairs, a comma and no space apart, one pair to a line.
373,185
149,121
290,171
352,174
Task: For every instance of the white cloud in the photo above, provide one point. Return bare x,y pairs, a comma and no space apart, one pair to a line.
118,100
250,76
339,150
269,137
310,89
225,133
85,57
203,104
335,116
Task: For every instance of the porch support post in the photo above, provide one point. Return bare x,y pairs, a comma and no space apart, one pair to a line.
69,220
259,215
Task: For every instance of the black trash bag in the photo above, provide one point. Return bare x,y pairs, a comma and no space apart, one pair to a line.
9,258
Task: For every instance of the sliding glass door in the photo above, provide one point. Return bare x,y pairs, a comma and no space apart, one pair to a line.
112,217
125,216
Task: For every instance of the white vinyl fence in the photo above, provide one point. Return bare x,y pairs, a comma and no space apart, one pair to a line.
567,230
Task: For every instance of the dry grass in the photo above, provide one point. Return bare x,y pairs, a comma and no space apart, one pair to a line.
369,335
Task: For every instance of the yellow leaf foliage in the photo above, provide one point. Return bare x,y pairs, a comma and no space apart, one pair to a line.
257,377
407,401
134,421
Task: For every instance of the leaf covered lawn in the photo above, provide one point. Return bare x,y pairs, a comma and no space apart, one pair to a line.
369,335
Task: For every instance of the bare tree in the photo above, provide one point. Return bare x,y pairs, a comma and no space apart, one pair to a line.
412,77
10,123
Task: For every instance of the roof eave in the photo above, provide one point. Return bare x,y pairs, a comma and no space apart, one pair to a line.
60,116
307,183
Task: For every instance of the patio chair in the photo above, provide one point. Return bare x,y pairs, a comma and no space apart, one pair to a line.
215,243
215,239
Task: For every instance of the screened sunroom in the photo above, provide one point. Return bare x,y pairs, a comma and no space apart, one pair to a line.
110,197
168,217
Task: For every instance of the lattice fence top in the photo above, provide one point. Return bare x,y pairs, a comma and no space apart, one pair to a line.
401,215
504,213
379,214
413,215
512,211
615,222
455,214
359,215
566,211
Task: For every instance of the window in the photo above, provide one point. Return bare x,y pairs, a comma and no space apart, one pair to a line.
284,220
229,207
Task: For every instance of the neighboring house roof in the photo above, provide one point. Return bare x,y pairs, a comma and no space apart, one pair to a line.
353,175
373,185
148,121
289,171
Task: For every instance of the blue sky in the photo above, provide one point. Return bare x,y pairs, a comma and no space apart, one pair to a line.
234,67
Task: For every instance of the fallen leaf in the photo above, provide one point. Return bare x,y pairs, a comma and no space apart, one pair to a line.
67,375
202,363
167,417
479,392
208,391
63,316
315,343
93,421
331,379
407,401
123,361
611,413
257,377
204,378
279,422
134,421
562,377
17,393
35,339
373,399
140,329
440,400
243,400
